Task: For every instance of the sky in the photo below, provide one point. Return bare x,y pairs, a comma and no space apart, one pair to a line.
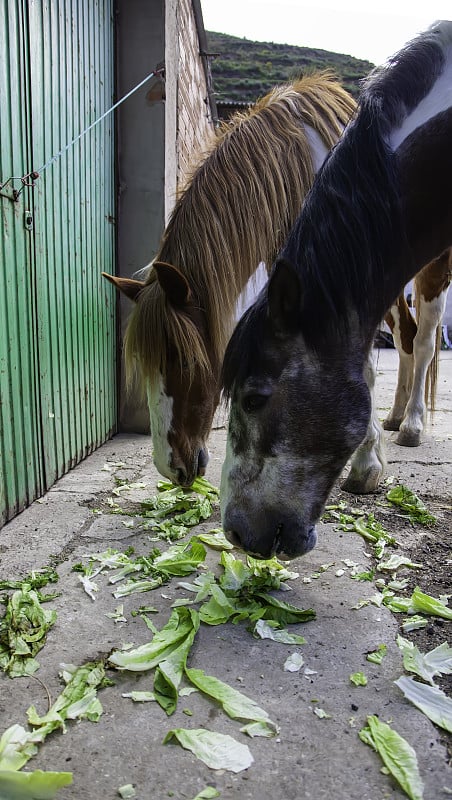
371,31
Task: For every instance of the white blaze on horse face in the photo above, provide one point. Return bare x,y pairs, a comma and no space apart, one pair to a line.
438,99
244,483
161,415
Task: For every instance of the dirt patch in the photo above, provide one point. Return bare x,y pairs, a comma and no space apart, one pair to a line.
430,546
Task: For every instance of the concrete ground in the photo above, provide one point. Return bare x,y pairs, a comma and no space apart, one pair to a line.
312,757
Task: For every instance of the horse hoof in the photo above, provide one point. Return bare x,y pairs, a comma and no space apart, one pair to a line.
391,424
409,439
363,484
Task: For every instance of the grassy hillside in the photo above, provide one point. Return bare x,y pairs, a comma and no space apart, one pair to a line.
244,70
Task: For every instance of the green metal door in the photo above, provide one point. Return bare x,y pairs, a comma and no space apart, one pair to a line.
57,315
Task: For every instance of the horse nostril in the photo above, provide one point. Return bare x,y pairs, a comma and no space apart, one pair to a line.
181,477
203,460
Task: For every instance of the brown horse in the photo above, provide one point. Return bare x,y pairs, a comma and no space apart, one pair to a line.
235,211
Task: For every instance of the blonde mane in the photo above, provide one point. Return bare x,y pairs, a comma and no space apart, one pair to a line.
235,211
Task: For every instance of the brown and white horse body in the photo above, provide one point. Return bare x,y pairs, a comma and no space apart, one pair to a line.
417,342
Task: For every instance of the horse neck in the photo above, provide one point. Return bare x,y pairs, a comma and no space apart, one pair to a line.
426,177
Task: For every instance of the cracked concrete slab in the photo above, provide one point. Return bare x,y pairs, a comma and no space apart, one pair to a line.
311,757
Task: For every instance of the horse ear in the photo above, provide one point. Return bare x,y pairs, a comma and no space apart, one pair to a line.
173,283
284,298
127,286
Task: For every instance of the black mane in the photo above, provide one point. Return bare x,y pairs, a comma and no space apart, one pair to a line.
349,237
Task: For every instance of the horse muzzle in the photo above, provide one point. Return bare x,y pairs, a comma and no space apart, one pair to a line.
185,471
268,536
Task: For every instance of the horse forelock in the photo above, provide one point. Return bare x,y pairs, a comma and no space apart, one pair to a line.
153,327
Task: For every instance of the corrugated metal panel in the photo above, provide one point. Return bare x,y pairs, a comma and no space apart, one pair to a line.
21,470
74,207
71,310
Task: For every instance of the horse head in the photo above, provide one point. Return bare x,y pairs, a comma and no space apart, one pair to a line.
167,337
297,414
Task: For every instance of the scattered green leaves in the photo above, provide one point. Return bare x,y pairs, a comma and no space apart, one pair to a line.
127,791
409,502
365,525
23,631
142,573
269,629
396,562
17,745
425,604
293,663
78,700
36,579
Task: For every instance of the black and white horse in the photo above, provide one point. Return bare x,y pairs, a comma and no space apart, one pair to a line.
295,368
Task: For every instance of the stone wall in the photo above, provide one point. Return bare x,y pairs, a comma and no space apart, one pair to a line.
195,116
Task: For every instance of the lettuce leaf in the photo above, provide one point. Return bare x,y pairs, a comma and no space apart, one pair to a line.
397,755
23,631
217,750
436,705
408,501
424,603
35,785
426,665
235,704
180,625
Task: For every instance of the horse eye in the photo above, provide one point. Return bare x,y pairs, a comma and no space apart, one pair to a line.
254,402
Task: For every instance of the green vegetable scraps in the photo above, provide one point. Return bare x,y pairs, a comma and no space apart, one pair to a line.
239,595
408,501
143,573
127,791
17,745
358,678
175,510
364,524
397,755
24,627
36,580
377,656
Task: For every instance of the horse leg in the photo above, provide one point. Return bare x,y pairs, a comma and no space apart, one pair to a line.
403,328
431,292
369,460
